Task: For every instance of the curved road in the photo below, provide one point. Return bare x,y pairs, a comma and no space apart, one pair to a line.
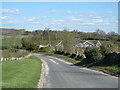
61,74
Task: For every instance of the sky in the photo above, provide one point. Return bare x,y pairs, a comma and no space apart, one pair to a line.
83,16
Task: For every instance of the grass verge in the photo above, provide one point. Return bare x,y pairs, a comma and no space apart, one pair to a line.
72,60
21,74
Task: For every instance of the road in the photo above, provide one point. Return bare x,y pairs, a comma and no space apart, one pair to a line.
61,74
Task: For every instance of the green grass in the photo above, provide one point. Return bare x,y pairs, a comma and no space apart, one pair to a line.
113,68
9,42
21,74
60,56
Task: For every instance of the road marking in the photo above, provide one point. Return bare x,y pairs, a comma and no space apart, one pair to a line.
53,61
60,60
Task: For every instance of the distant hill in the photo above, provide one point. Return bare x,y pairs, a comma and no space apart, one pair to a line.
6,31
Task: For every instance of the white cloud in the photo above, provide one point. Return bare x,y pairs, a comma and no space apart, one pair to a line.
9,22
89,23
109,12
55,23
69,12
31,19
4,17
58,20
36,22
98,21
10,11
52,11
95,17
115,21
45,16
77,19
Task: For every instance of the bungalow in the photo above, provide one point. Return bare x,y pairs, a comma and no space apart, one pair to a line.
88,44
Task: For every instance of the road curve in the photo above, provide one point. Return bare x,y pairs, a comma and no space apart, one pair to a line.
61,74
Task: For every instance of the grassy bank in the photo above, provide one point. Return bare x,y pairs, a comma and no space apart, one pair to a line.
21,74
97,66
59,56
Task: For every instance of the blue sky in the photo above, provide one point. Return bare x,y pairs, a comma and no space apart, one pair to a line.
83,16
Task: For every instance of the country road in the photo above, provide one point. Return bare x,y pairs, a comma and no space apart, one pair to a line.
61,74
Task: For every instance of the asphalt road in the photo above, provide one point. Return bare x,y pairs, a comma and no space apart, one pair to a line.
61,74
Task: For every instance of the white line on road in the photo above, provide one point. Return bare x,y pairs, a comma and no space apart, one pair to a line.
53,61
60,60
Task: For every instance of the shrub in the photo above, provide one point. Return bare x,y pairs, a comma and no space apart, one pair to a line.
62,52
67,54
104,50
93,54
73,55
112,58
33,46
17,47
4,47
78,57
14,53
28,45
44,49
57,52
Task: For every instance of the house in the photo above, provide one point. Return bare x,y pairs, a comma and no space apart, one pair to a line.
79,48
88,44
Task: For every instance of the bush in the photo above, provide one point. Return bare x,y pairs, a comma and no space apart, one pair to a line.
4,47
112,58
67,54
62,52
44,49
28,45
73,55
78,57
57,52
93,54
33,46
104,50
17,47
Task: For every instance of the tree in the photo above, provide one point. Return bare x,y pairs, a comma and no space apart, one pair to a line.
112,33
101,32
28,44
68,39
104,50
93,54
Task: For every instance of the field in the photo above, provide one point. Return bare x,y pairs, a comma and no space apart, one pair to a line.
9,42
21,74
14,53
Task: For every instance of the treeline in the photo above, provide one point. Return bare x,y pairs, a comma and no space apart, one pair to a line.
55,35
69,38
5,31
30,40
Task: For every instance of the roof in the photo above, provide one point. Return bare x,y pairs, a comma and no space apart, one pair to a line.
83,43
